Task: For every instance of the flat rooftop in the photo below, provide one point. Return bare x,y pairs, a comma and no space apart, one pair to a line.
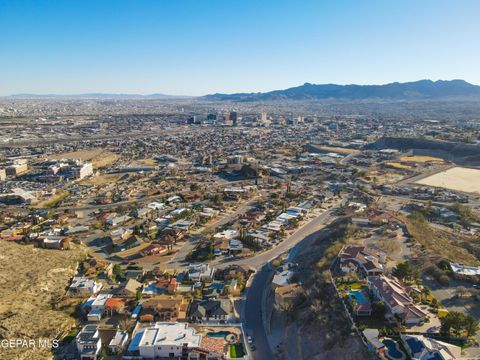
169,333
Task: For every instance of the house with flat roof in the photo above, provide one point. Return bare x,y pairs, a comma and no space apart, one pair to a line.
88,342
200,272
82,286
465,270
282,278
95,306
119,342
171,340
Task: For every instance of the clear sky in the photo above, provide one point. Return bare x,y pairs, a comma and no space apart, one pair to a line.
195,47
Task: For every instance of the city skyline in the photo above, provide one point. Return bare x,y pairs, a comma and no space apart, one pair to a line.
197,48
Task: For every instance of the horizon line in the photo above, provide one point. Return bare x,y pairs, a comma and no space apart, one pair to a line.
160,94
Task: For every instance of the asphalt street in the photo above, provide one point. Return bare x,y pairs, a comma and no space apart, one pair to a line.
253,322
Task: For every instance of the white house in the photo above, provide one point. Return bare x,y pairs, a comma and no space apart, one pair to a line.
114,221
88,342
200,272
169,340
156,205
95,306
118,342
83,286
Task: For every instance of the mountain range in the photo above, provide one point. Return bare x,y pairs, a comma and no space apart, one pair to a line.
423,89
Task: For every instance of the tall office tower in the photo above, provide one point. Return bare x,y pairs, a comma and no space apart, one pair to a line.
263,119
234,118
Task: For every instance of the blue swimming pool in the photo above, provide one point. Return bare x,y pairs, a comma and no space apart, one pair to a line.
220,334
359,296
393,351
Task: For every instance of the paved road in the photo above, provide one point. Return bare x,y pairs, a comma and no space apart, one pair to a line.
252,312
252,317
138,201
178,261
305,231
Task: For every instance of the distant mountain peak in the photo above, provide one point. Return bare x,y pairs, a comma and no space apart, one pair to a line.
421,89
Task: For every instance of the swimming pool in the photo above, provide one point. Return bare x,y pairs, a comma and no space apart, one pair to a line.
359,296
393,351
220,334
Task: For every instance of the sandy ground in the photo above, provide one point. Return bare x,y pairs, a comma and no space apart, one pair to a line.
149,162
100,180
456,178
421,159
339,150
52,200
31,280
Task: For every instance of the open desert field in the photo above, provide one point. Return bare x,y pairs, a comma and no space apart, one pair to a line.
31,281
148,161
98,157
53,200
338,150
101,180
456,178
421,159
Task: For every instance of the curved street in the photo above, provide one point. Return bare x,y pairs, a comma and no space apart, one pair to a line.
253,319
252,312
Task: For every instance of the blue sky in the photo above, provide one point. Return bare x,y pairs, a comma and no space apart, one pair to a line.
195,47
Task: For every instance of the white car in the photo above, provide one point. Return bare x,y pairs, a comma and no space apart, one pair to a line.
250,339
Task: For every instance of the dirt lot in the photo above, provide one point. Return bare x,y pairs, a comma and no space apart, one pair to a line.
149,162
53,200
320,324
101,180
457,178
339,150
98,157
436,244
31,280
421,159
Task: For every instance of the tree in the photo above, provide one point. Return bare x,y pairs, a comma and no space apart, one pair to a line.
471,325
194,187
217,199
406,271
379,309
456,322
117,269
